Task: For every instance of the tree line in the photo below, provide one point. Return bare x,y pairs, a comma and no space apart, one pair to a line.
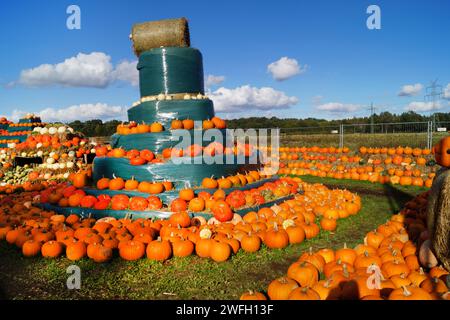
98,128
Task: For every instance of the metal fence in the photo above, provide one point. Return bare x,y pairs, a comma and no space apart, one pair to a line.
415,134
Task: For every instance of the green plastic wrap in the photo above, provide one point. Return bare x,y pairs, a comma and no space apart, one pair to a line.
21,138
170,70
156,141
186,174
37,120
15,129
167,110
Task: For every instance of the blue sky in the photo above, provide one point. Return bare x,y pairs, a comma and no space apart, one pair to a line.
342,66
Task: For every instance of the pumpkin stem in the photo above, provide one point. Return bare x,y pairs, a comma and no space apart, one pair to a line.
406,292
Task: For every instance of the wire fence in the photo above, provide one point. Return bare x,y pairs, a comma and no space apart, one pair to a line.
414,134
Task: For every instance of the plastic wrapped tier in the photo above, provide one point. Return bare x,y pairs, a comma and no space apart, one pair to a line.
170,70
165,111
191,173
158,141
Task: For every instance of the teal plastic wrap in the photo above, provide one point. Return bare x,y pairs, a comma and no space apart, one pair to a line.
186,174
167,110
14,129
36,120
21,138
4,126
156,141
98,214
170,70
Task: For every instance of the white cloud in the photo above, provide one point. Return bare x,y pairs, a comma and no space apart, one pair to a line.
83,70
285,68
126,71
447,92
247,97
410,90
419,106
338,107
212,80
82,112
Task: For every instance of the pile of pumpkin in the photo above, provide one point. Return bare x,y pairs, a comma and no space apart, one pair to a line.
404,166
218,203
406,273
187,124
38,232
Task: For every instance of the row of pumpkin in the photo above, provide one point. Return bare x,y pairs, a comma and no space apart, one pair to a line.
39,232
394,262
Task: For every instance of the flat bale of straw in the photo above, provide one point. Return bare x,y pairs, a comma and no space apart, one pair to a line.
161,33
438,217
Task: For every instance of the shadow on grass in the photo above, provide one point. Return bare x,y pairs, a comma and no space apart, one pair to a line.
396,197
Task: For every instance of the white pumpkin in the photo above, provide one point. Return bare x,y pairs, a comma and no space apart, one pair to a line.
37,129
50,161
213,221
71,130
39,145
426,256
39,153
69,164
62,129
66,175
205,233
44,130
47,176
62,165
236,219
52,130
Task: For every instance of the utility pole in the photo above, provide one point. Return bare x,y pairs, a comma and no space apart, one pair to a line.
434,94
372,114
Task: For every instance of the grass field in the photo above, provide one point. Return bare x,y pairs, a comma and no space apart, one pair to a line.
356,140
193,277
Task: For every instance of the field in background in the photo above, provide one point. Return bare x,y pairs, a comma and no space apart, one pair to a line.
356,140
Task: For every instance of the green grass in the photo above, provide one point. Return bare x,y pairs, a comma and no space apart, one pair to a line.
193,277
356,140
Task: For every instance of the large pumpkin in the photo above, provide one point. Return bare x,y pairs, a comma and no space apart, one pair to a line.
442,152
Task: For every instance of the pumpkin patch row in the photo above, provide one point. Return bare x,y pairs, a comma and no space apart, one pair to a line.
402,165
38,232
398,251
187,124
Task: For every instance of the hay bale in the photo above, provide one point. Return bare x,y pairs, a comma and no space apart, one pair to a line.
162,33
438,217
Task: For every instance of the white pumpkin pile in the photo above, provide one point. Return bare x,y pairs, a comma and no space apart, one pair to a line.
52,130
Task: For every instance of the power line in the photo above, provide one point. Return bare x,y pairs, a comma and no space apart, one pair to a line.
434,94
372,109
